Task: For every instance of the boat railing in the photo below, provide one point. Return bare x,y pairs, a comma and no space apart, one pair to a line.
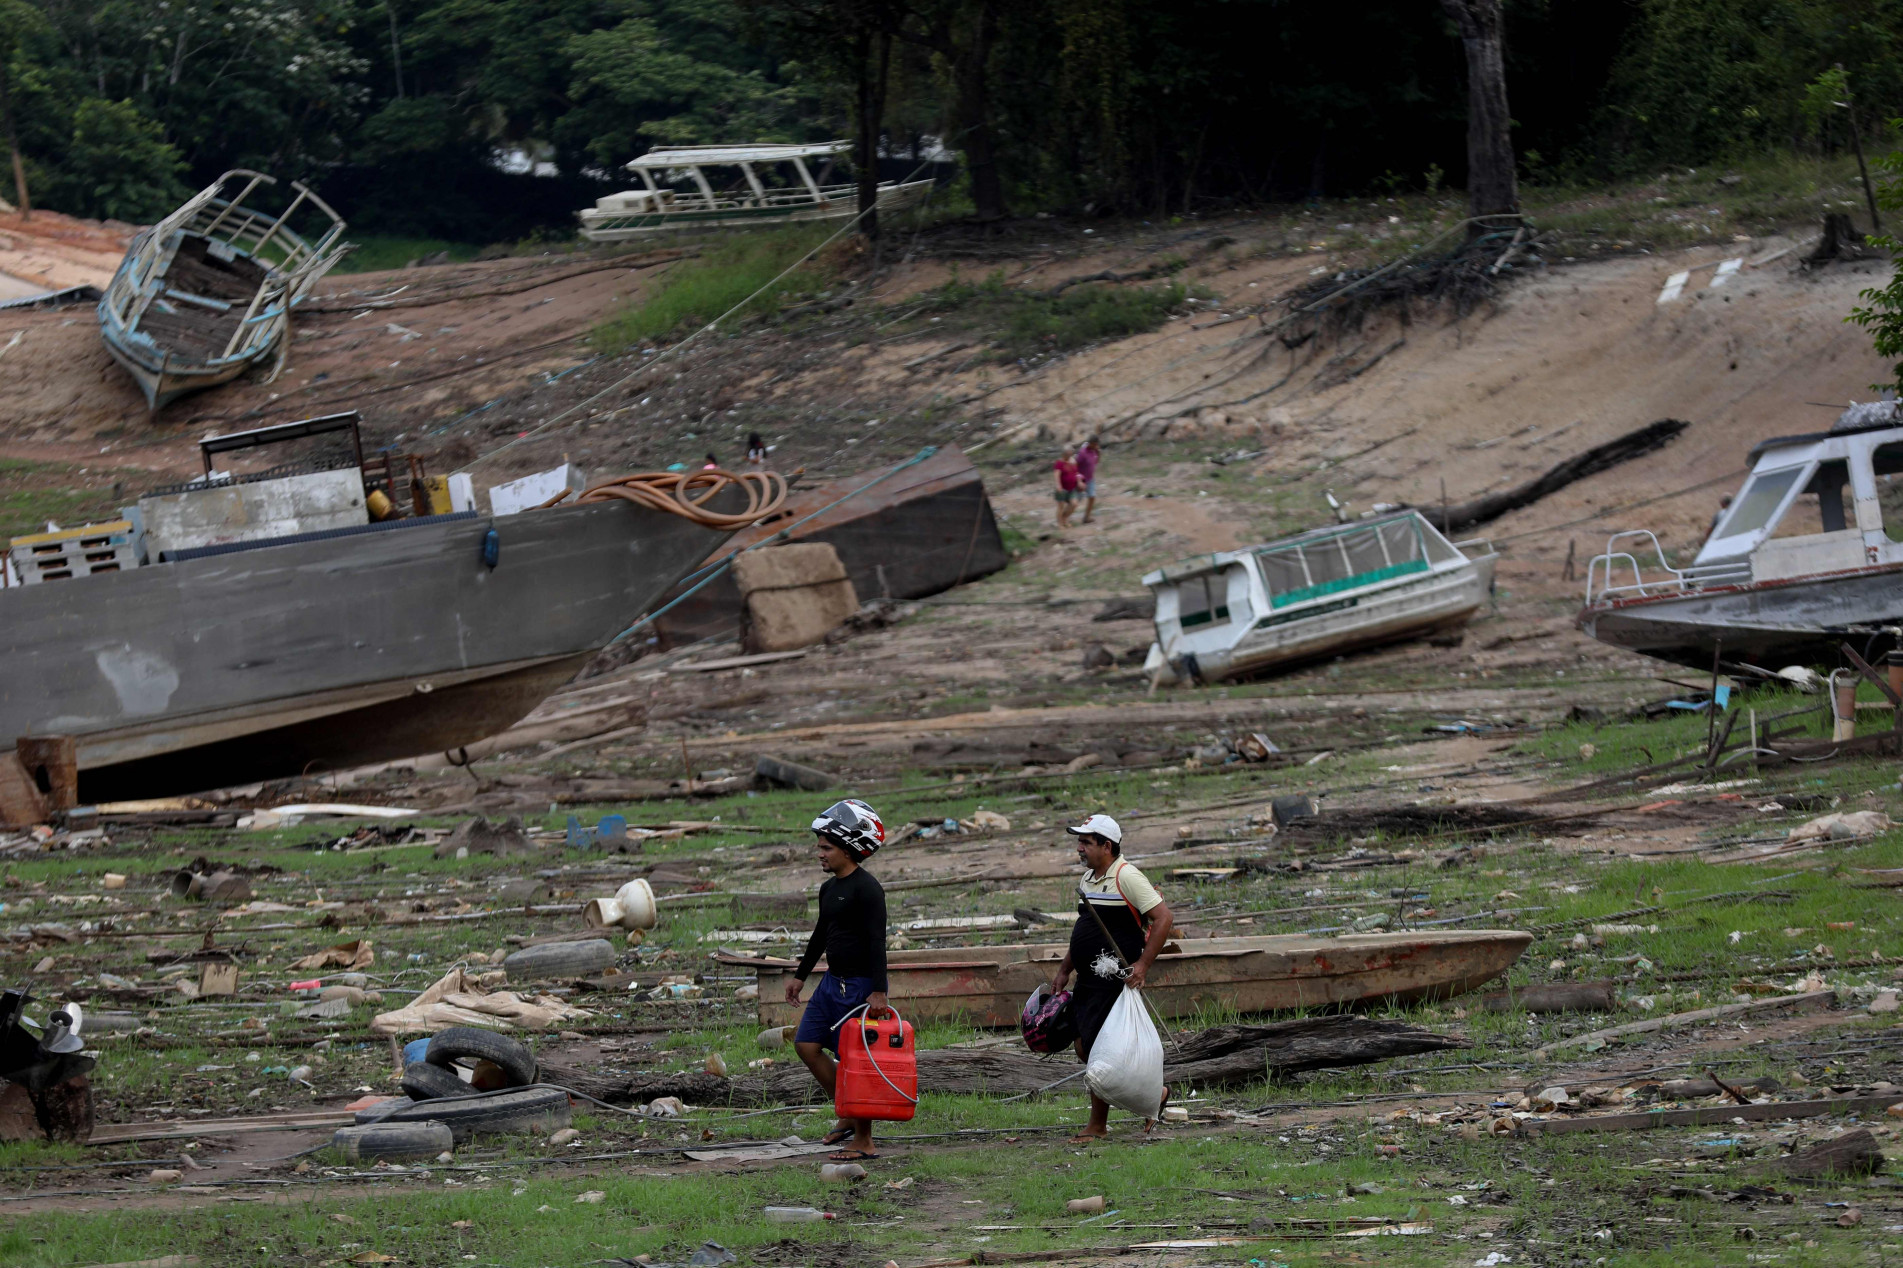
1606,573
1487,542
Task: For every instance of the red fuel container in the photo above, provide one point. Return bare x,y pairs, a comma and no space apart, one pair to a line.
878,1070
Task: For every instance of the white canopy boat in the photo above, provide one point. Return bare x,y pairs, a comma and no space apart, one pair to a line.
1321,593
207,292
1806,558
759,195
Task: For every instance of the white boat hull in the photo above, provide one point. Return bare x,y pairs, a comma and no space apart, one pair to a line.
1435,601
605,226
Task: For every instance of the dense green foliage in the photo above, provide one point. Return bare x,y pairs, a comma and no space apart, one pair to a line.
399,109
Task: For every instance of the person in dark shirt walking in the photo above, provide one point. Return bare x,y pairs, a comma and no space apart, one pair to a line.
850,933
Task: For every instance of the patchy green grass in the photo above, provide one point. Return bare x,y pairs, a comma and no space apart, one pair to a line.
375,253
1019,322
31,493
743,268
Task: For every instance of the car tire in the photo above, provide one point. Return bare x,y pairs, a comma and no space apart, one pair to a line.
394,1142
527,1109
425,1082
470,1043
555,961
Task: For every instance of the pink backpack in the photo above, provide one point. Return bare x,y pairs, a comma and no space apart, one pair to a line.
1046,1022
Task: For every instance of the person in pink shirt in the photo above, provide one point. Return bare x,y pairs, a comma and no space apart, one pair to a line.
1087,459
1069,484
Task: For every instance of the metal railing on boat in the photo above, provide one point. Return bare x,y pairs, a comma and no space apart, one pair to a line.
1600,572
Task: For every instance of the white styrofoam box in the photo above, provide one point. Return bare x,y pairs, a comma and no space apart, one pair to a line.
462,493
532,490
223,513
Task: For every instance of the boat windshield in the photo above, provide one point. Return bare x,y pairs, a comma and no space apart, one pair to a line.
1759,502
1300,571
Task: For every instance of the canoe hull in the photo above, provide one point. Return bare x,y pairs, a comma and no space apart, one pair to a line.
987,986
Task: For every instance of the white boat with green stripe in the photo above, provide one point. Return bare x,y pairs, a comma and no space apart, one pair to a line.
1322,593
750,185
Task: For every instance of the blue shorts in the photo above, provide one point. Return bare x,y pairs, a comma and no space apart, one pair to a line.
1090,487
833,999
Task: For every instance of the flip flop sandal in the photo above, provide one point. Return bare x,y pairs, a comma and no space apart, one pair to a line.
852,1155
837,1136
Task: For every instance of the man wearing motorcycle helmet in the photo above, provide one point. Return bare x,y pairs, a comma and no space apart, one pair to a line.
850,933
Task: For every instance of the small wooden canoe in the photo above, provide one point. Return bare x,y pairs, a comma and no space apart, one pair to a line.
987,986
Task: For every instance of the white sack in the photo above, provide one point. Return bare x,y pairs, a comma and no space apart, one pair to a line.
1126,1062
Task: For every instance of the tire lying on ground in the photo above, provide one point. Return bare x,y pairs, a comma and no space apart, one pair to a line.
397,1142
424,1082
471,1043
558,960
527,1109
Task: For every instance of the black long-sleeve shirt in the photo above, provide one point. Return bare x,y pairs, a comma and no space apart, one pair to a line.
850,931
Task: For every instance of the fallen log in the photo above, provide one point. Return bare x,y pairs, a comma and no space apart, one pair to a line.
1854,1153
1232,1054
1217,1056
1462,516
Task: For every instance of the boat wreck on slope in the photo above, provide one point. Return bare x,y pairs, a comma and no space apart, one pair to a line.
206,293
756,198
1321,593
987,985
921,529
1809,555
323,614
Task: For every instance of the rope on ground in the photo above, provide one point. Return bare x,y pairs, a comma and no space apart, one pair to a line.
686,494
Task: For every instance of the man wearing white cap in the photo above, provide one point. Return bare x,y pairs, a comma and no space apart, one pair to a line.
1113,898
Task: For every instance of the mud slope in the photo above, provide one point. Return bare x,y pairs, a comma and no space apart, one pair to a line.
1571,357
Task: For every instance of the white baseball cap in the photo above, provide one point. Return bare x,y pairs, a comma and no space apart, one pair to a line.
1099,825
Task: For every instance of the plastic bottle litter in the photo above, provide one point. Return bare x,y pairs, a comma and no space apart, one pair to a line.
797,1215
775,1036
1085,1206
715,1064
841,1172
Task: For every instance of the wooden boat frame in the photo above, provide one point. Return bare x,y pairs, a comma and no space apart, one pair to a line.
655,209
987,985
291,264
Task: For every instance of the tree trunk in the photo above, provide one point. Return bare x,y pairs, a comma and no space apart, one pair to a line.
1492,188
874,57
972,74
13,144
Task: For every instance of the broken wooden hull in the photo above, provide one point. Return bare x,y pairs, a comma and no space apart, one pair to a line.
987,986
279,658
921,531
1768,623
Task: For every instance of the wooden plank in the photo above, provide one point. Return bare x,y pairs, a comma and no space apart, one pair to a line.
1712,1115
118,1133
736,662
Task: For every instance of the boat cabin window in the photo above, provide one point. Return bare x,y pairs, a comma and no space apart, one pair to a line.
1886,461
1202,600
1754,507
1819,505
1342,561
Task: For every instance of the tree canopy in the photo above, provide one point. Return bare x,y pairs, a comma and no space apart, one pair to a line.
430,116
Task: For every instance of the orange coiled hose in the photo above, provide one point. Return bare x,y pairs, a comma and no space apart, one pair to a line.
686,494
